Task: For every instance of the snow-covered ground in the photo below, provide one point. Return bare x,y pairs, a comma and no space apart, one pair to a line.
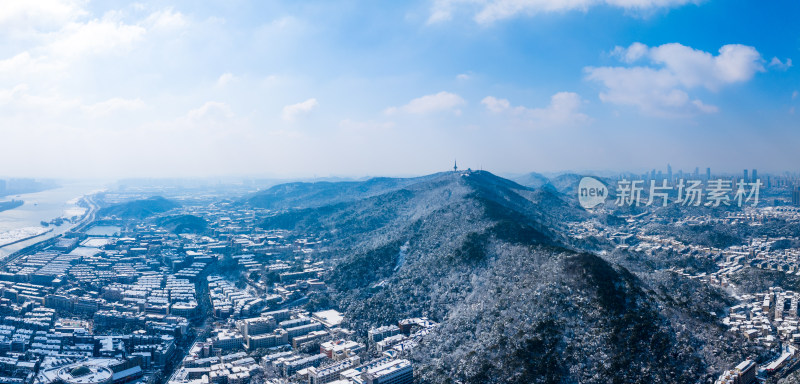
73,209
14,235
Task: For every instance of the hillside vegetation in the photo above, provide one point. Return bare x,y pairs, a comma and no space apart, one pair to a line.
138,209
518,302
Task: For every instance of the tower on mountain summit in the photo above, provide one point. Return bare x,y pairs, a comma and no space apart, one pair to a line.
455,166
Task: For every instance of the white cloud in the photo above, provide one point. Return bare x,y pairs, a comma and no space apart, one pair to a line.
662,87
705,108
631,54
779,65
9,95
442,101
225,79
645,4
692,67
564,109
441,10
495,105
94,36
489,11
794,95
290,112
166,19
370,126
503,9
211,110
271,80
23,64
463,76
39,14
33,103
105,108
58,34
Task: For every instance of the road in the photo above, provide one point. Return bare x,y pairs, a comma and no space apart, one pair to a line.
85,220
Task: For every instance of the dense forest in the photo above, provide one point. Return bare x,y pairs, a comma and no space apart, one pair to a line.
517,300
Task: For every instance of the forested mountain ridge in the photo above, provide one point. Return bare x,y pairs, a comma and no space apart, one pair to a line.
138,209
315,194
489,259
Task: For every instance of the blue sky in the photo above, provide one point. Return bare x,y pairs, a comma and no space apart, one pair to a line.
355,88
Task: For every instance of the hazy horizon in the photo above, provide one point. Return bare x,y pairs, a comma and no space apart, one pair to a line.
277,179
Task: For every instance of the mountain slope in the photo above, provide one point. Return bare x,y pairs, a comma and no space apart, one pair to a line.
489,260
183,223
476,196
532,180
304,194
139,209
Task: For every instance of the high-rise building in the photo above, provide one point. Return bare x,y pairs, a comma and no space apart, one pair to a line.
256,326
380,333
754,175
394,372
708,173
744,373
747,371
746,179
329,373
796,196
669,173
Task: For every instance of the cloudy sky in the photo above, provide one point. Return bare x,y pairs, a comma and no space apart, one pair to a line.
354,88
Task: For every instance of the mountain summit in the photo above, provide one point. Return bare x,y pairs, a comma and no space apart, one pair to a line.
491,261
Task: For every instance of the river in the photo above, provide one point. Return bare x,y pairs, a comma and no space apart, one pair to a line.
43,206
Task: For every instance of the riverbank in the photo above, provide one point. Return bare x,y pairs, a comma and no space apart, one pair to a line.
6,205
66,202
23,234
